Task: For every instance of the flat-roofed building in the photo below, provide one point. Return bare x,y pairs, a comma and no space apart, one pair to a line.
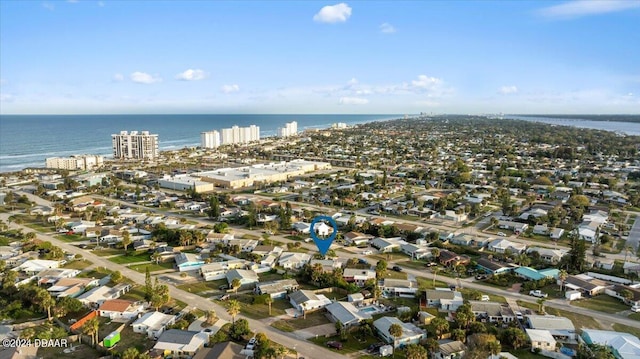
135,145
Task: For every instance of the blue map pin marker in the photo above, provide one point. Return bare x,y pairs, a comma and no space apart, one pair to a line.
323,244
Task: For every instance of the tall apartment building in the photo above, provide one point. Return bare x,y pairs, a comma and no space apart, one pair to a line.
237,134
210,139
289,129
76,162
135,145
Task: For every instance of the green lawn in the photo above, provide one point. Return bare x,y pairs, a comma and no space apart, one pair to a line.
136,293
269,276
259,311
428,283
94,273
350,345
201,287
626,329
634,316
152,267
602,303
71,237
312,319
108,252
131,258
395,275
78,264
419,265
578,320
493,298
526,354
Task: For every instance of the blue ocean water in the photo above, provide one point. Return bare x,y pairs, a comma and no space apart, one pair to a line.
26,140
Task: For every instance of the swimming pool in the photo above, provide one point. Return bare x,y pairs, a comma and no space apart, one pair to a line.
368,309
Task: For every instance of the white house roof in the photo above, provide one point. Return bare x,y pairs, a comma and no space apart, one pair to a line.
154,320
550,322
346,312
539,335
625,344
181,340
408,330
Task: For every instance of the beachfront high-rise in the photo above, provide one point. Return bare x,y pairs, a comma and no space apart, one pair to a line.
210,139
135,145
237,134
289,129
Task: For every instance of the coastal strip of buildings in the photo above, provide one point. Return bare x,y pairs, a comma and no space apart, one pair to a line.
230,136
75,162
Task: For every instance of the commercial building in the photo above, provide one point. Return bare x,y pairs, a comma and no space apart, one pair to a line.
240,177
289,129
210,139
75,162
237,134
135,145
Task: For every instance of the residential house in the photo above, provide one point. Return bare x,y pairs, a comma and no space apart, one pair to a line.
301,227
120,309
587,285
425,318
622,345
556,233
505,246
34,266
180,343
246,277
559,327
415,251
218,270
293,260
449,349
588,230
99,295
548,255
451,259
386,245
443,298
493,267
529,273
492,312
306,300
358,276
188,261
411,334
153,324
617,292
398,287
357,238
224,350
542,229
346,313
51,276
541,339
277,289
71,287
516,227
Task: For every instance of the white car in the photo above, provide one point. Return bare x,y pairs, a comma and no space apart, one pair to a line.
366,253
635,308
519,316
485,298
502,234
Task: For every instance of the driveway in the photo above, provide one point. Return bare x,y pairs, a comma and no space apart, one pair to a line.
633,239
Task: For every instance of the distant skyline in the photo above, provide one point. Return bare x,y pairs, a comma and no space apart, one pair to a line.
112,57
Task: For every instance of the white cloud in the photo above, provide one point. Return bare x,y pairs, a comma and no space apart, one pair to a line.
118,77
191,75
144,78
387,28
334,13
352,82
425,82
353,101
49,6
577,8
508,90
230,88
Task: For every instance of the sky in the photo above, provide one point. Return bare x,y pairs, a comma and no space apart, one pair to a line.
110,57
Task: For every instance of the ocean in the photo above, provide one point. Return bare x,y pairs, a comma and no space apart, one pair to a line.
26,140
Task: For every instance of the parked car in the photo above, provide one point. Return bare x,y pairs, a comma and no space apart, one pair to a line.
366,253
252,343
635,308
485,298
538,293
519,316
334,345
481,276
397,268
502,234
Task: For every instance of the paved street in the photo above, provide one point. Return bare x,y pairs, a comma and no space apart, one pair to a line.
633,239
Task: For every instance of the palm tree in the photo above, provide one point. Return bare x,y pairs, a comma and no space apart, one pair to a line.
440,325
435,271
269,301
211,317
235,284
130,353
540,302
90,328
281,351
562,275
435,252
395,330
233,309
494,347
